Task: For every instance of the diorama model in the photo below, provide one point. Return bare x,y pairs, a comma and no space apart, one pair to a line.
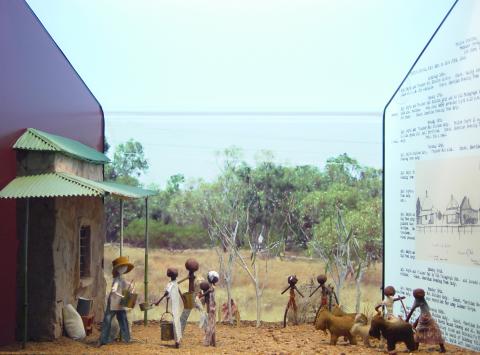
191,265
388,301
209,295
327,293
426,329
172,292
115,307
292,281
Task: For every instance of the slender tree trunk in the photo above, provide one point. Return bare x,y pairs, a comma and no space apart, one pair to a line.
258,296
358,281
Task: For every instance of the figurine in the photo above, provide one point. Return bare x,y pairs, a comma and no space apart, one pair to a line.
209,296
121,266
235,314
388,302
191,265
172,292
338,326
394,332
426,329
327,292
292,281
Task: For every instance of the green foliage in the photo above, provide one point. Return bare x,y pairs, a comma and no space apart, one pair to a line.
289,207
128,165
170,236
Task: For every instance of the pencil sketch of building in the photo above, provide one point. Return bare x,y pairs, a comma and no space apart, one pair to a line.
425,211
468,215
454,214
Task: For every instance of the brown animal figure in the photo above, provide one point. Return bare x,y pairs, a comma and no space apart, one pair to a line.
338,326
361,328
339,312
394,332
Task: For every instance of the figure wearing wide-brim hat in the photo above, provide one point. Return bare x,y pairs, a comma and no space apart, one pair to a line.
121,261
120,266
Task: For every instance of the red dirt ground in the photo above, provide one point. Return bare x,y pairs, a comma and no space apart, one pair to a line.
270,338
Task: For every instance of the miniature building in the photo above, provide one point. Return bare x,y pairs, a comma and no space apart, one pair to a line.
61,181
66,233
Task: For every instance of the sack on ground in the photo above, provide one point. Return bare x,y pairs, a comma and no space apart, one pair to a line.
73,323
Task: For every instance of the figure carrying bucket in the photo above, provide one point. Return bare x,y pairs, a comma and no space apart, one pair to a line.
172,292
209,295
189,297
119,289
292,281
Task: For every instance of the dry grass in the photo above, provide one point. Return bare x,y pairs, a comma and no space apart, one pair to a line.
273,303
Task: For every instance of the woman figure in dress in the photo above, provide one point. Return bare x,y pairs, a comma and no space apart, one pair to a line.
426,329
209,296
172,292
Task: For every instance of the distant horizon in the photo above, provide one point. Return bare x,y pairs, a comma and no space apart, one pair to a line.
187,142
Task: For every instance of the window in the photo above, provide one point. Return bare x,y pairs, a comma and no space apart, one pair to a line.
85,252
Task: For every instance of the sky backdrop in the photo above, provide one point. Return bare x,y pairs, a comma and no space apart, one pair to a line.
305,79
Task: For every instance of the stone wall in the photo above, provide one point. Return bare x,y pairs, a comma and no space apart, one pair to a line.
33,163
72,214
70,165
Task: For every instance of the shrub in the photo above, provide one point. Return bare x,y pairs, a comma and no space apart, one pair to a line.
170,236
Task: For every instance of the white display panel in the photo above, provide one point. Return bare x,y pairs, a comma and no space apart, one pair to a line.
432,178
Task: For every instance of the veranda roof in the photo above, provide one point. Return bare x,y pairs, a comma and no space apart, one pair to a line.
68,185
34,139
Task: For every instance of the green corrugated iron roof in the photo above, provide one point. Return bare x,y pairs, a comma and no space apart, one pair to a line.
67,185
34,139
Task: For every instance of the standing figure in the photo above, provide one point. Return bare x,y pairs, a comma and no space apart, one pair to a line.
191,265
426,329
172,292
327,293
388,302
209,295
121,266
292,281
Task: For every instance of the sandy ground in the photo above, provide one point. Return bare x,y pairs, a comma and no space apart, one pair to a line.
270,338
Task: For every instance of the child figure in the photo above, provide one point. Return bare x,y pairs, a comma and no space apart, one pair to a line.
209,295
121,266
426,329
292,281
388,302
327,293
172,292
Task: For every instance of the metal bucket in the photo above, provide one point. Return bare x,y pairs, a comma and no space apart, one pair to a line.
84,306
129,300
166,328
145,306
189,300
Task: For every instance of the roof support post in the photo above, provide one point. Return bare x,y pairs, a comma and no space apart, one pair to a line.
25,276
145,315
121,227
